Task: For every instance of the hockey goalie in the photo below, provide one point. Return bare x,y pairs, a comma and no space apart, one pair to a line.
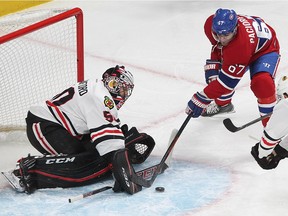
273,145
81,139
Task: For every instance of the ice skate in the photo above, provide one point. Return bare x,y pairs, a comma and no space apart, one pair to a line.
14,179
214,109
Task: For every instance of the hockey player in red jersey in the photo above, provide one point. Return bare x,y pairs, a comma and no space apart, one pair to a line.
78,132
273,145
240,43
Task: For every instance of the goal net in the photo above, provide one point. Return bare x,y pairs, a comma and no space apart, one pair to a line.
41,55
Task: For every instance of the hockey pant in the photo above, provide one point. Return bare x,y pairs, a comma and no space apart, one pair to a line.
51,138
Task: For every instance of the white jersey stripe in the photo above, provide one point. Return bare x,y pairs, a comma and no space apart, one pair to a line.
61,118
41,139
106,132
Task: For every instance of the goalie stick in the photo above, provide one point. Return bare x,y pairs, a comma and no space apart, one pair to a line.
231,127
144,173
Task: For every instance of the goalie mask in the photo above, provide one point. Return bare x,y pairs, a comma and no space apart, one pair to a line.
282,88
120,84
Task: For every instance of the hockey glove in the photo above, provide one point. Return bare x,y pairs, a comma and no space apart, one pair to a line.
124,129
211,69
139,145
197,104
272,160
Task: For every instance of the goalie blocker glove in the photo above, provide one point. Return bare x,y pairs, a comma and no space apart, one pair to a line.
272,160
123,172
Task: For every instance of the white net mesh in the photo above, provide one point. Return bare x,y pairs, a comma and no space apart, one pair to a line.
36,65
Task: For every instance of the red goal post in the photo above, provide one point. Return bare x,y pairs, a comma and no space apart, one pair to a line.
42,52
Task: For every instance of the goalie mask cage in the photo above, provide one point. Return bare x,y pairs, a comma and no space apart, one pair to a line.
41,55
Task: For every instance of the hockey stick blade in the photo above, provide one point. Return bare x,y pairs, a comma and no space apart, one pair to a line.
232,128
148,183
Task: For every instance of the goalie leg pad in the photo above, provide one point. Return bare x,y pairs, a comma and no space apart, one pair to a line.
66,170
139,145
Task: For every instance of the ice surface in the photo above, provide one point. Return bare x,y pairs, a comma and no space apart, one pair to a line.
163,44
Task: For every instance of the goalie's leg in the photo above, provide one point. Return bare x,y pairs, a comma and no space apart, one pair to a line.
58,171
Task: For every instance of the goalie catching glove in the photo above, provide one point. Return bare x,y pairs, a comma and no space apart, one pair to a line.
139,145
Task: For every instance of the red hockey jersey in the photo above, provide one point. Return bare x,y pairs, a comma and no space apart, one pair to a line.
253,39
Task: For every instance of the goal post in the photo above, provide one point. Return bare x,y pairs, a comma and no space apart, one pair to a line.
42,53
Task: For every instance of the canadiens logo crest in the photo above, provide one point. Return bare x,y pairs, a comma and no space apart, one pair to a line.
108,102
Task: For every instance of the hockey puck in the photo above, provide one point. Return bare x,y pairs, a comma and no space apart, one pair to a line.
160,189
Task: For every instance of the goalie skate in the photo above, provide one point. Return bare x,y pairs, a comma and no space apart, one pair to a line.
14,181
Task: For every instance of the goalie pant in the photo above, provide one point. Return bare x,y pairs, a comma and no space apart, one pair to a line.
83,168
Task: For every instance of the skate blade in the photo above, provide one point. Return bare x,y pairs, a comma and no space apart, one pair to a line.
220,114
13,182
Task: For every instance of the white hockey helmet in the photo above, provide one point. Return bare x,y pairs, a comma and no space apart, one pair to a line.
282,88
120,84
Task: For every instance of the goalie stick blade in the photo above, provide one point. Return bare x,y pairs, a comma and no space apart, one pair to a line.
143,179
149,173
230,126
148,183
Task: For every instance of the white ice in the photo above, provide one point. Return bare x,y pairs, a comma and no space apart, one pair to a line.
163,44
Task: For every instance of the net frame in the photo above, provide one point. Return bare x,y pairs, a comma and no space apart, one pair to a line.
62,15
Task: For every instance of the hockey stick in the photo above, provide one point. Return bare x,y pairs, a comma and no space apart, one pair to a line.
161,165
231,127
90,193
